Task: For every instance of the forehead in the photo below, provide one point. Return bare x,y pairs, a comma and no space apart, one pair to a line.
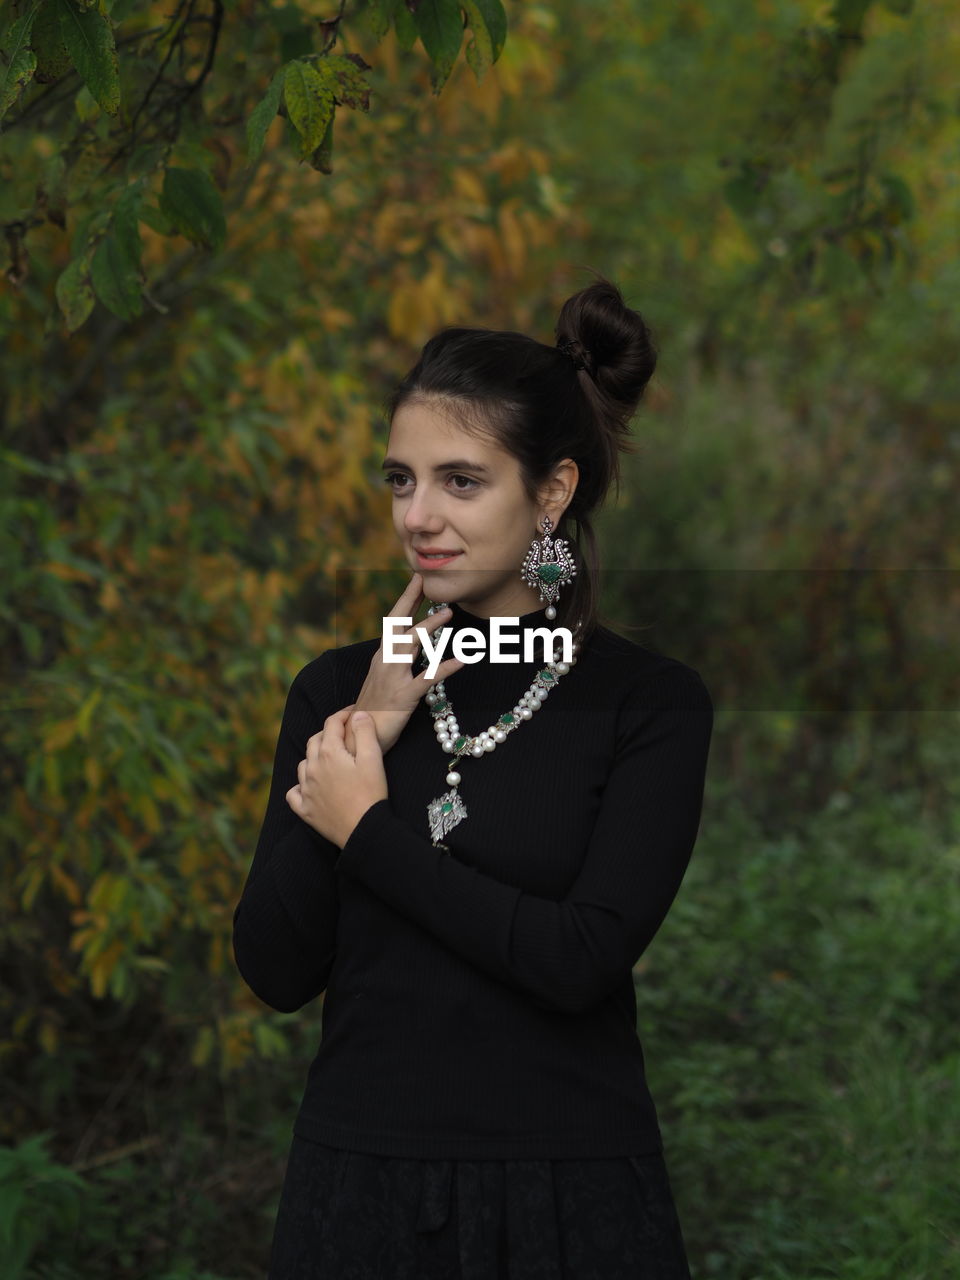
422,433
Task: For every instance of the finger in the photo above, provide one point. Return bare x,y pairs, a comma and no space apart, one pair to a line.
365,733
445,669
434,620
314,743
431,624
342,716
333,727
294,798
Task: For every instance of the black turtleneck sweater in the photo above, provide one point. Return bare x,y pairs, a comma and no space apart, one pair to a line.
479,1002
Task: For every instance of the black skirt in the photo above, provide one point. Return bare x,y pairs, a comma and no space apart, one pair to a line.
348,1215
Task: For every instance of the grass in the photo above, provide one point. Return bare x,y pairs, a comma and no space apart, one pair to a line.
797,1013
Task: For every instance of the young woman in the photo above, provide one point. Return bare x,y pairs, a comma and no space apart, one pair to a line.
470,873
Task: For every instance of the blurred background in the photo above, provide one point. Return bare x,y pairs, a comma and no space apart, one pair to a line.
205,303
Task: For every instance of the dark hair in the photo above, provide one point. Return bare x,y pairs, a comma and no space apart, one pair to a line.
538,404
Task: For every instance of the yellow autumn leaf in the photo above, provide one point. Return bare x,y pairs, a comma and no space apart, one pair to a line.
190,858
467,183
203,1047
98,891
35,879
49,1037
68,885
406,315
110,598
51,777
61,734
512,238
86,711
67,572
101,969
22,1021
148,811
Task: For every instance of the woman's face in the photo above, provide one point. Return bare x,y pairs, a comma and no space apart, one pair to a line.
457,492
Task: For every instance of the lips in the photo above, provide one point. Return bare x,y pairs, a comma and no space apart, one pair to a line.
427,560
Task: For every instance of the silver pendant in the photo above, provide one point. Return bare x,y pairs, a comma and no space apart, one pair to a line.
444,814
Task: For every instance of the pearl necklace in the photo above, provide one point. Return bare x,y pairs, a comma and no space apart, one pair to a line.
448,810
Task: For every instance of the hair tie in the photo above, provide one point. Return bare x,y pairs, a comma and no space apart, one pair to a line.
578,353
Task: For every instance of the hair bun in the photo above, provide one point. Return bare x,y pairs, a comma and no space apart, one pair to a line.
605,336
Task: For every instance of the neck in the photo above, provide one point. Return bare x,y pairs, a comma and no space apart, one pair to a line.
463,617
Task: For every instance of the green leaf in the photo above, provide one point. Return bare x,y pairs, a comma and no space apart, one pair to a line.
114,283
309,102
192,203
899,196
53,60
153,217
743,194
52,190
88,230
375,17
322,158
86,105
75,292
849,14
488,22
115,269
17,60
440,27
344,76
88,36
146,159
263,115
404,24
835,268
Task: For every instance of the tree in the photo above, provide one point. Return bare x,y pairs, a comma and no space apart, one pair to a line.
117,113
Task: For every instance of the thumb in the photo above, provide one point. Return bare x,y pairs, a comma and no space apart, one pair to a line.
364,732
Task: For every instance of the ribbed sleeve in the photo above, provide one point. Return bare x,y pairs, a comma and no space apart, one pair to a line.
566,955
284,926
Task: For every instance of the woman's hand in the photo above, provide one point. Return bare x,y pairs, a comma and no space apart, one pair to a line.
337,786
392,690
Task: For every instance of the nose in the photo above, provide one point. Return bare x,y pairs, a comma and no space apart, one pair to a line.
420,517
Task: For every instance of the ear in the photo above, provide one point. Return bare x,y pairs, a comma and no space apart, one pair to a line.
557,492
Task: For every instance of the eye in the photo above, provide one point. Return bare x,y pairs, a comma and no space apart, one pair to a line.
400,475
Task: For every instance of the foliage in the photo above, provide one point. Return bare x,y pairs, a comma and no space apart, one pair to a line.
36,1196
142,112
797,1013
179,495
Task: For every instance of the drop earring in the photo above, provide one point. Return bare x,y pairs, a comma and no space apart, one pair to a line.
549,566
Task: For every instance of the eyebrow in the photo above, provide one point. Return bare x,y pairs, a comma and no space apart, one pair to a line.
457,464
